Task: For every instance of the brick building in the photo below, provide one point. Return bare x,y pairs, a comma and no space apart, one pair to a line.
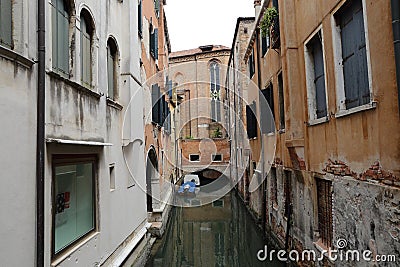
198,77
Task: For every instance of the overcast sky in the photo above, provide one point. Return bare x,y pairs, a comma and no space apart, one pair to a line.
192,23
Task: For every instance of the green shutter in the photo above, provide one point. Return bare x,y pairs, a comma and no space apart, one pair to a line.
151,41
85,54
156,43
54,42
110,73
157,7
140,20
5,23
60,24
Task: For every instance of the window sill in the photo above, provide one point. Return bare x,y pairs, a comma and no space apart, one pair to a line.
343,112
318,121
64,255
114,104
73,84
15,57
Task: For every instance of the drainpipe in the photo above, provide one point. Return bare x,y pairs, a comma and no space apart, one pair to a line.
40,144
263,186
396,41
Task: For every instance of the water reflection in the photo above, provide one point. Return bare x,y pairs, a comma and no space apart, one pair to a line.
218,234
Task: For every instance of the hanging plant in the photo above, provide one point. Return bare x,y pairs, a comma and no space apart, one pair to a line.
269,17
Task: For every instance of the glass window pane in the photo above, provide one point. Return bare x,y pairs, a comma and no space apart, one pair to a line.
5,22
73,203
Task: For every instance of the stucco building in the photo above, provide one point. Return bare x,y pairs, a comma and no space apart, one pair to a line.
158,112
71,75
327,71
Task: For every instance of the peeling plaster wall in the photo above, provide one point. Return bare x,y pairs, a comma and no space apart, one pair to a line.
368,217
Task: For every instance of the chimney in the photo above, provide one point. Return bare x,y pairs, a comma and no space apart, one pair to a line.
257,7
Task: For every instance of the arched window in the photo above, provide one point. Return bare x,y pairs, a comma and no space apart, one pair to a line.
112,68
5,23
215,91
60,38
86,48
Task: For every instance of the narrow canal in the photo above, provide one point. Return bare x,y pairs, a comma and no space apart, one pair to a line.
219,234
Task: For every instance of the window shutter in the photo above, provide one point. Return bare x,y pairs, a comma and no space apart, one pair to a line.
251,121
264,44
156,43
54,18
110,73
281,102
62,37
267,117
140,18
5,23
157,7
161,107
155,95
355,68
85,53
319,74
151,40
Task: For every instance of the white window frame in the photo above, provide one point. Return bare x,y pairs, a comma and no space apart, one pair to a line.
194,155
338,64
212,158
310,76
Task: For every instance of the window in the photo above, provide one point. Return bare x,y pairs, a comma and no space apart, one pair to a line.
194,157
274,187
60,38
350,25
74,213
286,191
324,196
153,42
86,49
140,18
112,177
275,31
216,157
250,62
315,71
251,120
215,91
218,203
155,101
267,112
111,68
265,43
6,23
281,102
160,108
157,7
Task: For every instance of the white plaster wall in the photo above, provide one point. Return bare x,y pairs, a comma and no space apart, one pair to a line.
70,114
18,143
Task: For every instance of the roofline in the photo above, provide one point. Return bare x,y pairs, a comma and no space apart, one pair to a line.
240,19
253,35
198,53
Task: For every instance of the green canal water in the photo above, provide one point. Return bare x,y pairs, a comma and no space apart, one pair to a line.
219,234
